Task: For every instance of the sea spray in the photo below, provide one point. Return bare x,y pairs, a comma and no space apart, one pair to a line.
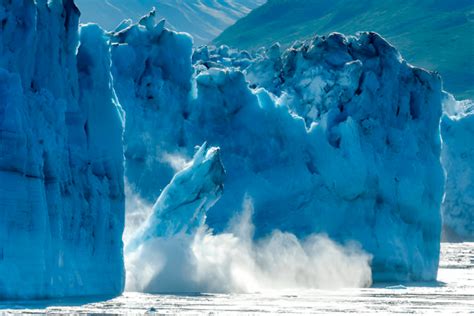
233,261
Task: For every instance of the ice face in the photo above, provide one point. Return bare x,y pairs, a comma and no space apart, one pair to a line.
61,156
457,128
149,80
340,136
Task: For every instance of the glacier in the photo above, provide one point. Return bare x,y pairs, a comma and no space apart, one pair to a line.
61,156
335,135
334,140
457,130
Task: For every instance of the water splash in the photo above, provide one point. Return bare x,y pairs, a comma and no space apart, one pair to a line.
233,262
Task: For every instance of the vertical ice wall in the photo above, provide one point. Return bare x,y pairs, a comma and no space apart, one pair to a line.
457,129
61,158
152,71
307,96
361,86
347,142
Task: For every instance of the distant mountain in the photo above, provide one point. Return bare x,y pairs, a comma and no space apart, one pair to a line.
204,19
434,34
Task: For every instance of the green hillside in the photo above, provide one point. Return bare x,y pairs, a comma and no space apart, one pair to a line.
434,34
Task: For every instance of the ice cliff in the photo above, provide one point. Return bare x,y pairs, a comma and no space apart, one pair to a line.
395,109
457,128
61,156
336,135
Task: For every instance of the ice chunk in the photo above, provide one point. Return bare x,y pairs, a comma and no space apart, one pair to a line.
183,204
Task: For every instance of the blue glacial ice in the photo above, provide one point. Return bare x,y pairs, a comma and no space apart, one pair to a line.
335,135
457,128
183,205
61,156
335,141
